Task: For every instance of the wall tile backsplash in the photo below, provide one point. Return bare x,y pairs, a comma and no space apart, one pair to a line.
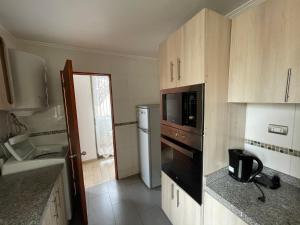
279,152
258,118
270,147
296,139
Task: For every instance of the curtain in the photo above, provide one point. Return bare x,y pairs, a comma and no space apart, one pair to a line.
102,114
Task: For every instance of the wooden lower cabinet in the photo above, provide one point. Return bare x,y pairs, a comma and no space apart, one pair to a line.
55,212
178,206
217,214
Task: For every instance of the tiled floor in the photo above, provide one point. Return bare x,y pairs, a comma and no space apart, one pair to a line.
124,202
98,171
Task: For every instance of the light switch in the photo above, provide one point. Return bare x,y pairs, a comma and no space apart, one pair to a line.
278,129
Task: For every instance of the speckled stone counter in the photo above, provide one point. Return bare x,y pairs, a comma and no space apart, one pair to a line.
24,196
282,206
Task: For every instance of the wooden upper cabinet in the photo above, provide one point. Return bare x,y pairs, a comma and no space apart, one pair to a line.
264,46
169,54
182,55
186,56
192,51
173,57
293,42
165,80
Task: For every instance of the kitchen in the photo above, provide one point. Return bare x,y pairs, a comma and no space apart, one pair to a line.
226,80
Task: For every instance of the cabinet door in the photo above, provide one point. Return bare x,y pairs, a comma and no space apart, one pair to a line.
165,78
60,201
293,42
167,194
191,64
192,211
259,55
177,208
217,214
47,219
173,57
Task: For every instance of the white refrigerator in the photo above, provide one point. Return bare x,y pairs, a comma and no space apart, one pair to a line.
148,117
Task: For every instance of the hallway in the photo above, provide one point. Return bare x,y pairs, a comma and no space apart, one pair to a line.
98,171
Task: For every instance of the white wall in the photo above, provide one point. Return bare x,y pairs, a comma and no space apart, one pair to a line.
135,80
85,116
258,117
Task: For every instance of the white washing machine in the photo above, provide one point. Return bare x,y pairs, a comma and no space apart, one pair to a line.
25,156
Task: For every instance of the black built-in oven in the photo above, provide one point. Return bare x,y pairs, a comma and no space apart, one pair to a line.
182,159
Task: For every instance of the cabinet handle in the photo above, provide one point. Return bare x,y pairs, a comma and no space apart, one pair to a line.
172,191
171,71
178,68
178,198
287,88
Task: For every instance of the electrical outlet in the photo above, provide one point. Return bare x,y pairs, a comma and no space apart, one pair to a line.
278,129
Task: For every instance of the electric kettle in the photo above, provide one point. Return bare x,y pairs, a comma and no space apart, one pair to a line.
241,166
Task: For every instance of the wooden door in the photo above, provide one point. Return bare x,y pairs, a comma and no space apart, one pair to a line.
5,92
259,54
192,51
73,139
293,42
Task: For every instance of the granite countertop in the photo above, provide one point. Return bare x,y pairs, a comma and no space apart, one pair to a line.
282,206
24,196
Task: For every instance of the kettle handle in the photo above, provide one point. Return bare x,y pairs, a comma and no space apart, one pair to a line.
259,168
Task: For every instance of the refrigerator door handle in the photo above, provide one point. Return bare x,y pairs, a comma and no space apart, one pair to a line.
144,130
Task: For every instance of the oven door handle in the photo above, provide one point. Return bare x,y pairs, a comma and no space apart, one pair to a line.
189,153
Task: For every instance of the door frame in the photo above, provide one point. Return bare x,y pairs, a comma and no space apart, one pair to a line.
112,113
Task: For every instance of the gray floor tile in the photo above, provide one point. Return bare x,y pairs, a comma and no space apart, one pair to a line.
99,189
100,210
125,202
154,216
126,214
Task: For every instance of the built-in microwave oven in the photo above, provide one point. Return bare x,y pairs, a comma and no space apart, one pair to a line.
183,107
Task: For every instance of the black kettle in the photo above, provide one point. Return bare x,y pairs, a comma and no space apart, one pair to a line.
241,165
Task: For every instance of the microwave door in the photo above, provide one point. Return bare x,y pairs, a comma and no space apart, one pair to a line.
174,108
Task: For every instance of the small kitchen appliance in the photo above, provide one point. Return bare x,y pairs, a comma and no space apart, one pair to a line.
183,108
241,165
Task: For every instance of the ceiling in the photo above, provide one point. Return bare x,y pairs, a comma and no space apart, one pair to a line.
125,26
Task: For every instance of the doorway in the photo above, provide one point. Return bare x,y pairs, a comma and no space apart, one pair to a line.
93,97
